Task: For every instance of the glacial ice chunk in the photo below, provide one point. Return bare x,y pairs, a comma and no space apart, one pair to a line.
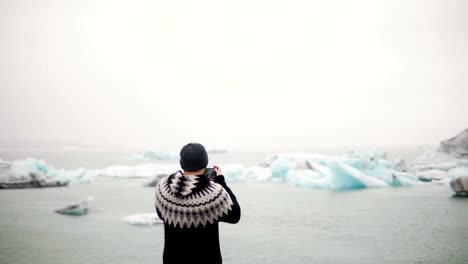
233,172
143,219
78,175
432,174
447,163
26,169
153,154
354,170
460,185
458,172
280,168
77,208
344,176
307,179
258,173
21,170
457,145
25,166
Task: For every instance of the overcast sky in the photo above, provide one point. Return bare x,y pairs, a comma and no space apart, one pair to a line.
246,74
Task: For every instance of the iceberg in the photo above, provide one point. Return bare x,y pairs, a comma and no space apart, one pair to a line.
78,175
30,170
258,173
234,172
353,170
37,173
458,173
4,165
281,166
442,163
460,186
307,179
153,154
143,219
76,208
431,174
344,176
457,145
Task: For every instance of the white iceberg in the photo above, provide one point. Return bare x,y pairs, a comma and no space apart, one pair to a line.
233,172
153,154
36,169
143,219
458,173
257,173
441,164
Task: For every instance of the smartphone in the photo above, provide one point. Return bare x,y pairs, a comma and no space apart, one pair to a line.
210,173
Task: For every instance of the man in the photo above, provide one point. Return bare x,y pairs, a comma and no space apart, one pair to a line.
191,204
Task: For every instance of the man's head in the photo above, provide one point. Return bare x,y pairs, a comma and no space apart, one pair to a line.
193,157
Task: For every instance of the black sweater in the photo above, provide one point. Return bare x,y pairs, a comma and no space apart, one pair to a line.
191,207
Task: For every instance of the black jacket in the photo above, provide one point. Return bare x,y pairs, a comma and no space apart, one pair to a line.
191,208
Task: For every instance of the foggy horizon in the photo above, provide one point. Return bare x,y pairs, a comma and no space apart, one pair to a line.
244,75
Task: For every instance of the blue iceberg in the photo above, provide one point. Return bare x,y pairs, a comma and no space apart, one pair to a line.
354,170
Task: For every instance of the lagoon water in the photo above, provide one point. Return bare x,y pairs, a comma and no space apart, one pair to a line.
280,224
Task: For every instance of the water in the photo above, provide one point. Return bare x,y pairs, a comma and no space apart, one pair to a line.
280,223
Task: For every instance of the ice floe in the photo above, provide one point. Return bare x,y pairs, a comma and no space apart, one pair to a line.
80,207
143,219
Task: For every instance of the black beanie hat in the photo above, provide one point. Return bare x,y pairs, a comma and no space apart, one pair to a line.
193,157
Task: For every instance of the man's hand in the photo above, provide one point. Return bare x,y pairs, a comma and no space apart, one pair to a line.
218,170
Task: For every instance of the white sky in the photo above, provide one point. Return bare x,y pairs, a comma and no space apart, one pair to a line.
245,74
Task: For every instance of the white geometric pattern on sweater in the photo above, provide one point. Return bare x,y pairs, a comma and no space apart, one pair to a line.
184,208
187,182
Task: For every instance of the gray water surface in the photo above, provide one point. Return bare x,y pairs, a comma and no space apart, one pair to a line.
280,224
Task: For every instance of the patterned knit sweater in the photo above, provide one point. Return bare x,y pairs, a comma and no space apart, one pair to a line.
191,207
